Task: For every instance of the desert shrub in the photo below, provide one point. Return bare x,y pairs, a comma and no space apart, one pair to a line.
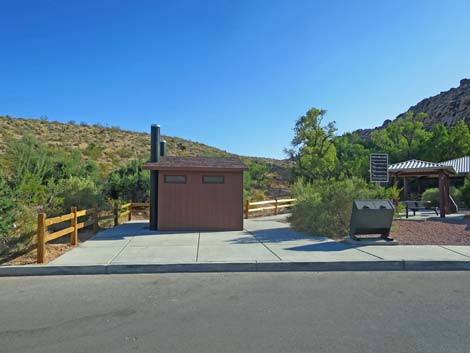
125,152
66,164
31,191
465,192
94,150
246,186
456,194
432,195
22,236
129,183
80,192
324,207
257,195
255,180
26,158
7,208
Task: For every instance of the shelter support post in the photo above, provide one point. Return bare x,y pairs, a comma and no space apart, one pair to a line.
443,193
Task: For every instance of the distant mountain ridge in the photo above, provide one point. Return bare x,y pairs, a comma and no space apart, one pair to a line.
447,108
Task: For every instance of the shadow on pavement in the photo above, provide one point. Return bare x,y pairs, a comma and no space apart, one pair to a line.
323,247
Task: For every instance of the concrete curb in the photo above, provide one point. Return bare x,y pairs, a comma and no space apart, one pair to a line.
37,270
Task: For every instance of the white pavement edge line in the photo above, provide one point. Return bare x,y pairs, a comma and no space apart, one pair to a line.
259,241
454,251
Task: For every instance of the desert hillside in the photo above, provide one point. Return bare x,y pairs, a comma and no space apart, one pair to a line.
112,147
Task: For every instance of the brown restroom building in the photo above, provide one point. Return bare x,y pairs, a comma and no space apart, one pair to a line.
196,193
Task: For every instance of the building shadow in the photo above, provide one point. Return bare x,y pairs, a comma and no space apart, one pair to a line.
326,246
276,235
133,229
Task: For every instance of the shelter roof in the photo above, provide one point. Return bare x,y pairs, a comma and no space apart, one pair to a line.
461,165
418,166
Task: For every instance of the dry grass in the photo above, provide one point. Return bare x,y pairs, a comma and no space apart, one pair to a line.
112,147
109,146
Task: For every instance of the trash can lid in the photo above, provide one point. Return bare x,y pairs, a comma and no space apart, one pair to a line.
373,204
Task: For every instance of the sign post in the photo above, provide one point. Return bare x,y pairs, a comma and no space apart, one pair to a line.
379,168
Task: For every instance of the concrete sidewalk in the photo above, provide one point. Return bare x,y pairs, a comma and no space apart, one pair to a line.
267,239
267,243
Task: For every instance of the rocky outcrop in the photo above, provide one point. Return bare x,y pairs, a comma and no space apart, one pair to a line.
447,107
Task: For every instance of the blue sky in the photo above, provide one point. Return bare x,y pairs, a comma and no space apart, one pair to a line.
231,74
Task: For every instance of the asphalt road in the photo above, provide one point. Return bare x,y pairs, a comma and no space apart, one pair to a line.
260,312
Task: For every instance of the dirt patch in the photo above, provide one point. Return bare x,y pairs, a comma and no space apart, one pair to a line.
432,232
54,249
58,247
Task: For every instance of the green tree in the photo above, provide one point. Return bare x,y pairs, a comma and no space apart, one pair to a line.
447,143
353,156
436,148
459,136
403,138
465,192
313,149
413,131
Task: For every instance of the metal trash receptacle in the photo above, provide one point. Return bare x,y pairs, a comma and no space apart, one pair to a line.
371,217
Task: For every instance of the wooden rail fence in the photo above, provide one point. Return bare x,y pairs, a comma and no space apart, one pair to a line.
261,206
94,216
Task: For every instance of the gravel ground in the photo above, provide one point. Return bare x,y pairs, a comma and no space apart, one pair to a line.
431,232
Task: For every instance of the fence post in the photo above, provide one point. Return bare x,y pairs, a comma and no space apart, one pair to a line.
116,214
95,219
41,246
129,218
73,223
247,208
275,206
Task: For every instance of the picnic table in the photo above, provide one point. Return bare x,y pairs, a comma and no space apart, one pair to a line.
418,206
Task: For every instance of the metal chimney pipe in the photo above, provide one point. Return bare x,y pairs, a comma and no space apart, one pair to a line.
155,143
162,148
154,157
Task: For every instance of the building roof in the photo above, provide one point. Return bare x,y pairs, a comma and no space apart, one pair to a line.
461,165
207,164
415,165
